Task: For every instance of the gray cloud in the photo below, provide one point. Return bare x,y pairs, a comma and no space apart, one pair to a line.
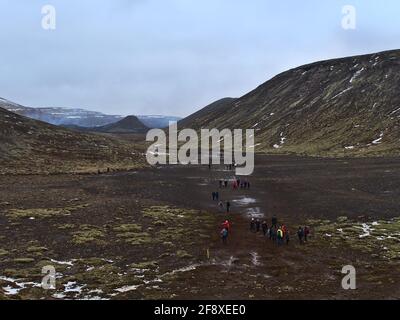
171,57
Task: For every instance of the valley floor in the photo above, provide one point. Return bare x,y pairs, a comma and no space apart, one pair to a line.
154,233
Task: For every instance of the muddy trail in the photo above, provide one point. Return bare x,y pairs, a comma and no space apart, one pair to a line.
154,233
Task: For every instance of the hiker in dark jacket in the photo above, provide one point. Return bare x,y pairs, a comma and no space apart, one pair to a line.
300,234
252,225
274,221
224,236
258,225
273,235
287,236
228,206
264,227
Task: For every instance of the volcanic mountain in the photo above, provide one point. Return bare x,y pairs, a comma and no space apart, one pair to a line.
31,146
347,106
130,124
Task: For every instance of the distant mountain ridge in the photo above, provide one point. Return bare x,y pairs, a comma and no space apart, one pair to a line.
31,146
80,117
348,106
130,124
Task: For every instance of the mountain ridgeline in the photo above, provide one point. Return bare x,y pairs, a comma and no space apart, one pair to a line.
130,124
30,146
80,118
348,106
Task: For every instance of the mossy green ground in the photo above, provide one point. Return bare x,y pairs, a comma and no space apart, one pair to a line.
165,231
379,238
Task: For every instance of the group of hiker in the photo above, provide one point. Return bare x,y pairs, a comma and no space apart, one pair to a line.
236,184
279,234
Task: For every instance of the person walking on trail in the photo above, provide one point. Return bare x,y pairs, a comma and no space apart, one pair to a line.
284,230
264,227
224,236
300,234
253,225
258,225
221,206
274,221
273,233
279,236
306,233
228,206
226,225
226,183
217,196
238,182
220,184
213,196
287,237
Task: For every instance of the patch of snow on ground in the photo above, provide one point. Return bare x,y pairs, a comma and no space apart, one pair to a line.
72,286
245,201
67,263
127,288
395,111
366,229
341,93
379,140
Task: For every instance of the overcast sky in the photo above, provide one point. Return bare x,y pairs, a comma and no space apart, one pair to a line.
173,57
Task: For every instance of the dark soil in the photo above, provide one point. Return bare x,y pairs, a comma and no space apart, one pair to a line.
154,233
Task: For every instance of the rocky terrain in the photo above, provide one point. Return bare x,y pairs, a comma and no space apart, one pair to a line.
154,233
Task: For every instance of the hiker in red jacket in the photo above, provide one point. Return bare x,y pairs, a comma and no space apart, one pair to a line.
226,225
306,233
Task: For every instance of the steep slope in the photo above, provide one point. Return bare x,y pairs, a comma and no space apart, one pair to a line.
201,117
347,106
31,146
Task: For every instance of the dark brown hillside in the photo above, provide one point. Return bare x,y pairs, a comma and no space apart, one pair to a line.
31,146
348,106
